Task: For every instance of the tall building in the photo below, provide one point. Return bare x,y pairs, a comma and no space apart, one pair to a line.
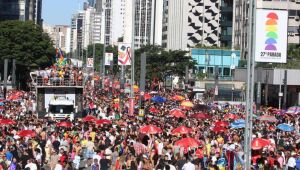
239,36
113,20
21,10
76,39
191,22
148,22
60,36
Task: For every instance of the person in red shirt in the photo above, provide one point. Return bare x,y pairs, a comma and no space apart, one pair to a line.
200,154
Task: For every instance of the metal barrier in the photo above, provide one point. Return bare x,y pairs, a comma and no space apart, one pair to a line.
55,81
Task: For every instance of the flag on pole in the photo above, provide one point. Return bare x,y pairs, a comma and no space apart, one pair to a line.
124,54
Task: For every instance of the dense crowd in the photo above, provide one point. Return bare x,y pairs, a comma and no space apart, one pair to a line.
66,75
110,138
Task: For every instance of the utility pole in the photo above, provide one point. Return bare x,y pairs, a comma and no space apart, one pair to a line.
13,78
284,90
250,84
5,77
132,59
216,82
104,49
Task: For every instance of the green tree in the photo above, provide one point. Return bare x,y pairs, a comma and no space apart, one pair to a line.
161,62
25,42
99,55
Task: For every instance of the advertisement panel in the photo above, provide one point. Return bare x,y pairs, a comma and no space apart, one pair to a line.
108,58
124,54
90,62
271,36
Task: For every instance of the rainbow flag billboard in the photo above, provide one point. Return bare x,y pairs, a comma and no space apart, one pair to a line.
271,36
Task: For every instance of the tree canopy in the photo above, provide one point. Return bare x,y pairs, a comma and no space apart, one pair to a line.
161,62
25,42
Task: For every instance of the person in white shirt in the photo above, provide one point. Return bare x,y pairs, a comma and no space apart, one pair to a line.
31,165
188,166
291,161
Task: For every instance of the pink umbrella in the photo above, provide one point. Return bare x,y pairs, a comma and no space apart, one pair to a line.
201,116
268,118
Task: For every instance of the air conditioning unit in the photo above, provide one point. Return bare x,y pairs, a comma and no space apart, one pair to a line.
297,17
297,1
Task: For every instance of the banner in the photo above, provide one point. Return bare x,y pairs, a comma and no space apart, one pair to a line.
124,54
90,62
271,36
108,58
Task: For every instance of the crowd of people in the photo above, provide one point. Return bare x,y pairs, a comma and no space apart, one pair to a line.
66,75
110,138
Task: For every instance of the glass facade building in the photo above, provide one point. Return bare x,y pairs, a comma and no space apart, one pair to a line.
208,59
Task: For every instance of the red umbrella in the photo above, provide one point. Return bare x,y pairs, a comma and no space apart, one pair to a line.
89,119
177,113
64,124
147,96
188,142
150,129
182,130
259,143
26,133
201,116
103,121
219,129
153,110
268,118
7,122
230,116
221,124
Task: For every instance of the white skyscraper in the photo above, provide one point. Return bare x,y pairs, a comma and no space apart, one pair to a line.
148,22
113,20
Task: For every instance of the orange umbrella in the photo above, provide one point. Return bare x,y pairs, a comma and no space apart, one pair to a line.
103,121
259,143
221,124
177,113
188,142
89,118
219,129
64,124
178,98
150,129
26,133
187,103
7,122
182,130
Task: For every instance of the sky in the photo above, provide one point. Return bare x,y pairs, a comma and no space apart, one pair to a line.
59,12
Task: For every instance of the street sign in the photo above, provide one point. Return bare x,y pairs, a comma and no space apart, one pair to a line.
90,62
